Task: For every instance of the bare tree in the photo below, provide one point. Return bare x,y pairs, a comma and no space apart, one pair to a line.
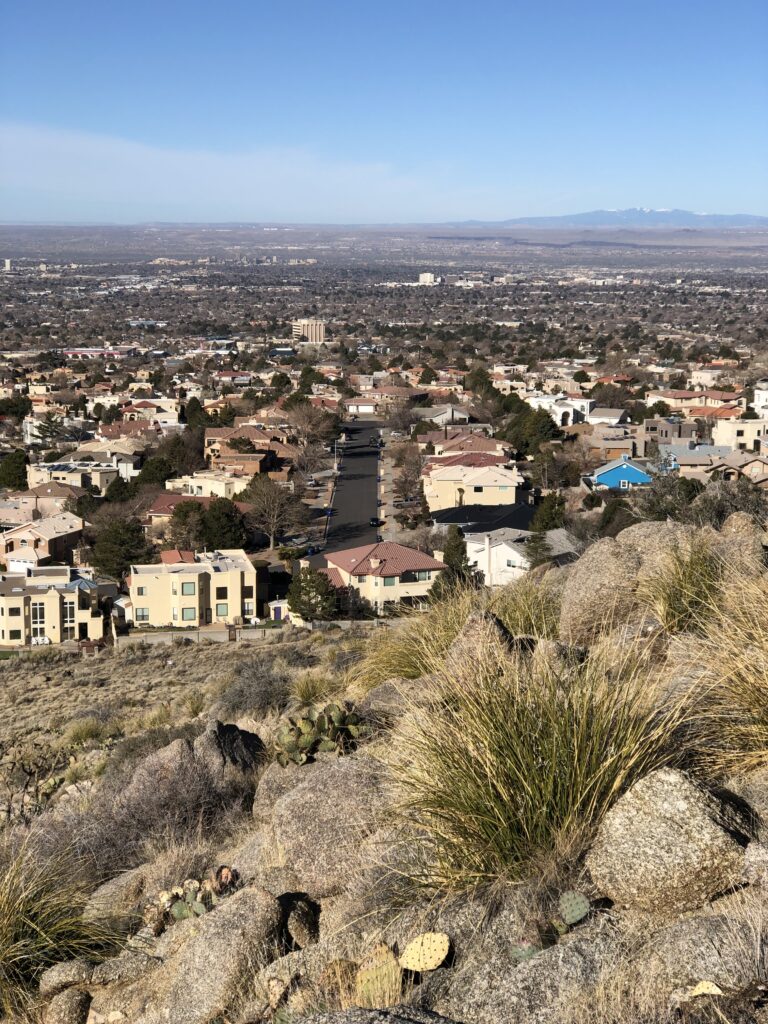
274,508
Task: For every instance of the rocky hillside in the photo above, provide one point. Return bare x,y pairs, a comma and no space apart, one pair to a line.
540,806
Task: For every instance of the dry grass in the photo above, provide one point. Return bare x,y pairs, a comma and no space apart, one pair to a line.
730,721
315,687
508,763
41,924
528,607
683,591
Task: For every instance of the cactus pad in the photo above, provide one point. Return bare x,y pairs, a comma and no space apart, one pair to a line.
426,952
573,907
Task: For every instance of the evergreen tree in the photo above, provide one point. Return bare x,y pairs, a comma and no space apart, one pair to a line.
455,552
13,470
119,545
550,514
223,525
194,413
537,549
155,471
312,596
120,490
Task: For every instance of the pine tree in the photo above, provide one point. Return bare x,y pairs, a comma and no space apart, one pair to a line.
13,471
120,545
311,595
537,549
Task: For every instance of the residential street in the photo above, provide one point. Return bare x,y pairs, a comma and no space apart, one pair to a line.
356,491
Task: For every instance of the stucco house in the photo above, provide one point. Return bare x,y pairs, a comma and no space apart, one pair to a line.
502,558
449,486
384,574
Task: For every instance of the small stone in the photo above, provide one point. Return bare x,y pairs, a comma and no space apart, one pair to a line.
64,975
68,1007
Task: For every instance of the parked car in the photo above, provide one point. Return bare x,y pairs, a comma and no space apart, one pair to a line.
375,521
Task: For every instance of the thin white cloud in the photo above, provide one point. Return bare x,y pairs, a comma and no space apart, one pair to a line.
51,174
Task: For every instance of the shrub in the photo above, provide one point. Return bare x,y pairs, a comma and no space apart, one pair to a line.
411,649
314,687
259,685
507,761
682,592
41,923
90,729
528,607
730,666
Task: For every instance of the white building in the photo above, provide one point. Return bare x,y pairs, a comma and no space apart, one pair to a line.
311,330
502,558
564,409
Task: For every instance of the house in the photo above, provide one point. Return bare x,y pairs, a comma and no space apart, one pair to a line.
448,486
611,417
52,539
159,514
741,435
189,589
384,574
51,605
210,483
621,475
91,476
502,558
485,518
740,464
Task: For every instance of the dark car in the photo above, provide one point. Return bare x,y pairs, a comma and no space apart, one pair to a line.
375,521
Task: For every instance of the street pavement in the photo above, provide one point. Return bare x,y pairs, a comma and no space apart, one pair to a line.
356,490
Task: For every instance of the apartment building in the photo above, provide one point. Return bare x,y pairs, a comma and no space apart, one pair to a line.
313,331
51,606
385,574
191,589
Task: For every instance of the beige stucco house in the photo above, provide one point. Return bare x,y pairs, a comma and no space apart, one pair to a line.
189,589
385,574
451,486
50,606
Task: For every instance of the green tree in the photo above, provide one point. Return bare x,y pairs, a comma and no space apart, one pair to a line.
194,413
155,471
120,490
312,596
428,376
186,529
280,382
537,549
223,525
581,377
119,545
455,552
13,470
550,514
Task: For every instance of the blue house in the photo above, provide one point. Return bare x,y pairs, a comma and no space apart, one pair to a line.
621,475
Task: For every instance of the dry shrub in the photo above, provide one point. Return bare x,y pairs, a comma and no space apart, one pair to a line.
507,761
730,663
683,591
528,607
314,687
41,923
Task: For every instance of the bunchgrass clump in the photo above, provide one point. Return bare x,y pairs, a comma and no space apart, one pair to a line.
506,762
681,593
528,607
315,687
41,923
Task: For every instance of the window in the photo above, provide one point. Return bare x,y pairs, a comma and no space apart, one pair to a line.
390,581
68,621
361,579
141,591
188,589
14,611
175,614
624,485
423,574
221,594
509,563
739,433
14,634
222,610
478,490
141,615
189,614
38,618
247,592
247,607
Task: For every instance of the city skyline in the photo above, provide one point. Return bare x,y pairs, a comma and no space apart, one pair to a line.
343,115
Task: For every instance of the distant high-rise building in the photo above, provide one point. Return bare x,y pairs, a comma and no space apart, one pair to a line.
428,279
312,330
7,265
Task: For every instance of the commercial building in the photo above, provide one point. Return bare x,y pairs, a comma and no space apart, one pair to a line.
311,331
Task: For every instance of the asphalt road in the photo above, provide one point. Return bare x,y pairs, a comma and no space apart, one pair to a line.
356,491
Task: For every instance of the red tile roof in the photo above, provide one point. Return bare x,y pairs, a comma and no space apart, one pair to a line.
334,577
174,556
393,559
166,502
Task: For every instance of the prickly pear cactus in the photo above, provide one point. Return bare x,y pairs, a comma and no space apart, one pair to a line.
573,907
524,951
335,728
379,979
426,952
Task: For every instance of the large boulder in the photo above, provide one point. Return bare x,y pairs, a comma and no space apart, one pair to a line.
228,753
493,989
668,845
197,967
599,591
68,1007
319,825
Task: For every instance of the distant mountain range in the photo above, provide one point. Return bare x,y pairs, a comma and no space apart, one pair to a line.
636,217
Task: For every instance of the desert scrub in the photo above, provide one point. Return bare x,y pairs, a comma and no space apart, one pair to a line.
528,607
683,591
413,646
315,687
506,762
41,923
90,729
730,666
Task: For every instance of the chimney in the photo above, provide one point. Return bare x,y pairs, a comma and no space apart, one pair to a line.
375,563
488,580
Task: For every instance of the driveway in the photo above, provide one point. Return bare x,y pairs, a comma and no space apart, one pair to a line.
356,491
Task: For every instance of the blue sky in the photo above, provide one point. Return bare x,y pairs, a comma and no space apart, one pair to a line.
349,112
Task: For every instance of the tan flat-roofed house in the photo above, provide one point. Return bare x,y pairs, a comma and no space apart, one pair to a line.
50,606
189,589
